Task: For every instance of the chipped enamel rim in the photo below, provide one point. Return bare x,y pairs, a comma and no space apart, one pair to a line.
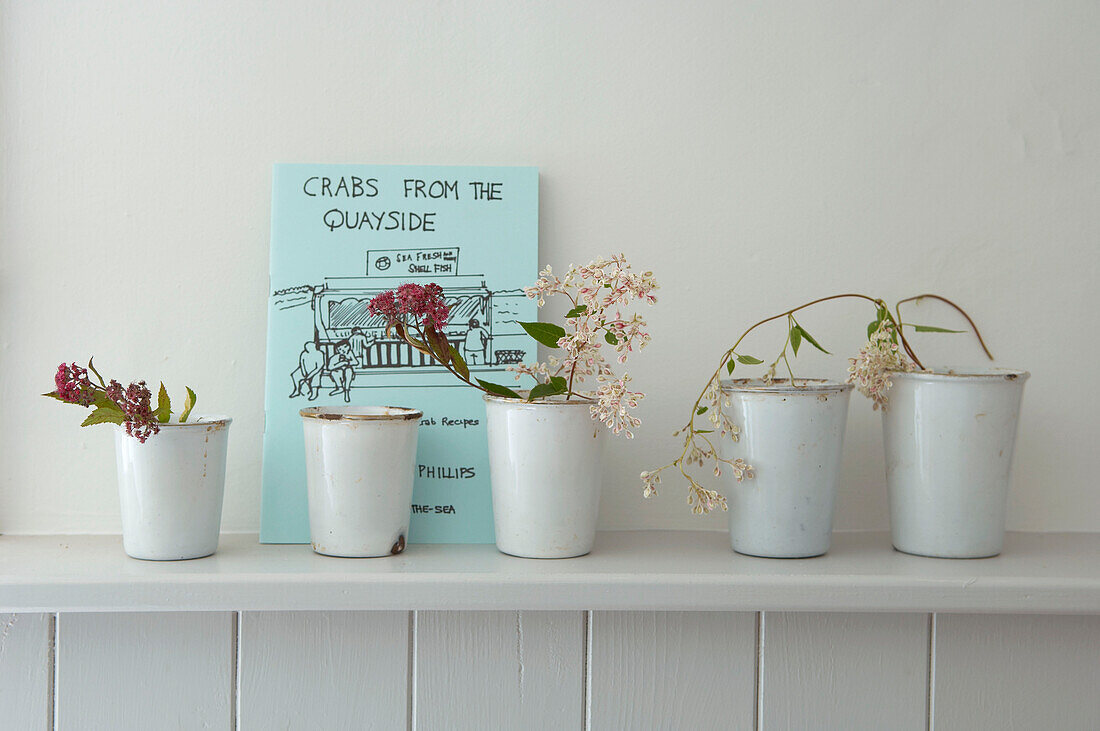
963,374
783,385
361,413
551,401
212,420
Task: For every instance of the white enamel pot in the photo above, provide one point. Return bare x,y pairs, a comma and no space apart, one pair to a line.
360,463
171,489
949,439
793,436
545,461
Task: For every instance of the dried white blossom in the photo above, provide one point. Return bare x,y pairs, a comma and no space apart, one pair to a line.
870,370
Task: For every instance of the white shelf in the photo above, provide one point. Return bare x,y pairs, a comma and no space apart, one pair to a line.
1042,573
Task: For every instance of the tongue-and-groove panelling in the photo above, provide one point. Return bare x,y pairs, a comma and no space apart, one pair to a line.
546,670
324,670
672,670
498,670
26,662
145,671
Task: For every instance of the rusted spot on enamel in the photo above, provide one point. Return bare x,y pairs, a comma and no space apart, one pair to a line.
398,547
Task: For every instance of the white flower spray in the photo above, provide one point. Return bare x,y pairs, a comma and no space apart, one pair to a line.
600,292
870,370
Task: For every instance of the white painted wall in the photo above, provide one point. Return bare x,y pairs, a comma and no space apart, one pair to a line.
752,154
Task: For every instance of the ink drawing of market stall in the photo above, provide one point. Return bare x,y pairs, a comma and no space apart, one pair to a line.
348,347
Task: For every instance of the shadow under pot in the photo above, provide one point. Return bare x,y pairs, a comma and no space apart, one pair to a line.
171,489
545,465
949,438
360,462
793,437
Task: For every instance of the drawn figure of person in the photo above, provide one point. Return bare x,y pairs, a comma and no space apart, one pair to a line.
311,362
341,366
360,343
475,344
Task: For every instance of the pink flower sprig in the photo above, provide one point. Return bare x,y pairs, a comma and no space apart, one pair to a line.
418,313
73,385
413,303
131,406
886,351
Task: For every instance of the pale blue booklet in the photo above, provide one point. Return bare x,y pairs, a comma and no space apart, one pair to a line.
340,234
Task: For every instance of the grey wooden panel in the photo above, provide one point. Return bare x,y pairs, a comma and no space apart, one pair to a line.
672,670
140,671
324,670
499,670
850,671
1017,672
26,659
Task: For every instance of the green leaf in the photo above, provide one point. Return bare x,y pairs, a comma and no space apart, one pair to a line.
730,365
874,324
498,390
403,333
577,311
610,338
748,360
701,410
93,370
188,404
105,415
53,395
703,431
164,406
542,390
557,385
546,333
438,344
796,338
810,338
459,364
102,400
932,329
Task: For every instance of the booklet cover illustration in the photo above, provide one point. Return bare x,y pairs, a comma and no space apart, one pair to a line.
340,234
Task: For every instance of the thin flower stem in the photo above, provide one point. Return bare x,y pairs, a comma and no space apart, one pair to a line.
715,379
905,342
573,368
788,364
448,366
790,328
788,313
782,353
697,446
960,310
804,306
710,443
91,367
